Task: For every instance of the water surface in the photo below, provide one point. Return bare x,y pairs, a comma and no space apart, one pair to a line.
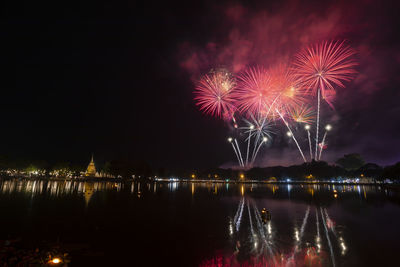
205,224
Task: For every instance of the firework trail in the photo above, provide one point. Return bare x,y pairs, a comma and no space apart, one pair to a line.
257,234
290,130
304,114
248,148
309,141
258,148
237,212
248,144
213,94
300,236
239,217
239,152
249,129
234,149
332,226
322,145
278,93
261,130
262,233
289,96
316,134
327,238
303,226
321,67
255,148
253,235
318,235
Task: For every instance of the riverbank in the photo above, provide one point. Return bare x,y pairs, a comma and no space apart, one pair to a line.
392,186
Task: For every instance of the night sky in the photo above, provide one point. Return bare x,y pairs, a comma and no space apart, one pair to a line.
116,78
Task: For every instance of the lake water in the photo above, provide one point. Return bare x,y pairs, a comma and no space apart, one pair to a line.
205,224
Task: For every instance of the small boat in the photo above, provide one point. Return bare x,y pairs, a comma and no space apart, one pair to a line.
265,215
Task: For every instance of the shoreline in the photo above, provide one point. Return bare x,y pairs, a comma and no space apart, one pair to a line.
161,180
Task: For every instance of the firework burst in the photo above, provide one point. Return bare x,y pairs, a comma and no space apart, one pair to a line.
322,66
254,92
302,114
262,133
256,128
213,94
260,96
288,93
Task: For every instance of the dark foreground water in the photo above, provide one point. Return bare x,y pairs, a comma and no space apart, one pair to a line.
205,224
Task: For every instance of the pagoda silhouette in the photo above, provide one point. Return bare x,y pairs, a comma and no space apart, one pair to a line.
91,169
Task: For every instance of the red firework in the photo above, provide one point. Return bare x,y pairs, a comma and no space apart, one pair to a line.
325,65
323,146
329,97
213,94
254,92
288,93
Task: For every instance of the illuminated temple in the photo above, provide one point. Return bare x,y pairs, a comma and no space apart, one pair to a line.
91,169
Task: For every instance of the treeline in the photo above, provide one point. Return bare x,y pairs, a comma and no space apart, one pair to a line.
314,170
348,166
117,168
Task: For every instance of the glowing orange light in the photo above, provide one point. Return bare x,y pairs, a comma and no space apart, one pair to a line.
55,261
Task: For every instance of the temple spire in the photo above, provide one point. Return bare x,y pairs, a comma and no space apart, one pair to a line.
91,169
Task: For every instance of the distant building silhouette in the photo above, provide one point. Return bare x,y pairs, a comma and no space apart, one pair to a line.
91,169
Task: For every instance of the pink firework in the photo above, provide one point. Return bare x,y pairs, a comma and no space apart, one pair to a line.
329,97
254,92
288,93
325,65
323,146
322,67
213,94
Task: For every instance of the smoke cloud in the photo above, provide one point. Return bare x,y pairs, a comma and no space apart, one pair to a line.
366,116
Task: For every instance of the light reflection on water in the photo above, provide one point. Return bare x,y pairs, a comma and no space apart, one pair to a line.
267,250
310,223
56,187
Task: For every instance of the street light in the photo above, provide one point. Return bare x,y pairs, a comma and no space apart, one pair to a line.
289,134
307,127
230,139
328,127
